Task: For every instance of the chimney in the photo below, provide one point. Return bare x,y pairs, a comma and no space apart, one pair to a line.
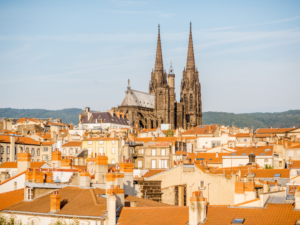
133,204
101,168
197,208
71,126
297,198
4,124
127,169
12,148
66,163
56,158
266,187
111,209
85,179
23,161
276,187
49,177
55,202
80,116
153,137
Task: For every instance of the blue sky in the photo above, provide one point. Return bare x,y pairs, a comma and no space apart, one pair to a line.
65,54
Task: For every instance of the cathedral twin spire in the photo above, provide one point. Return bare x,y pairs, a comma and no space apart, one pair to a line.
190,63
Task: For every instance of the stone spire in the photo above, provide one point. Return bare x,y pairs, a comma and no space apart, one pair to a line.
158,60
190,63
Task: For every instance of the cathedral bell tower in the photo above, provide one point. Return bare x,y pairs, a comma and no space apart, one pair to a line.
190,93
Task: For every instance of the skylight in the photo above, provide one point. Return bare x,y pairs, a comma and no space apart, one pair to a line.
200,159
244,154
233,154
238,221
277,174
262,154
268,150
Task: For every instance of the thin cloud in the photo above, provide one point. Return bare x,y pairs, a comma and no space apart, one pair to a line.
153,13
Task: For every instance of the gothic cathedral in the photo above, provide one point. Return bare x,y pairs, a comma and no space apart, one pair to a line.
159,106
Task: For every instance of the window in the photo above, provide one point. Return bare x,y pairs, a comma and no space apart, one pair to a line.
153,164
113,161
113,150
1,149
237,221
7,160
38,152
45,149
266,160
76,150
163,163
140,164
71,151
46,157
298,153
277,174
113,142
245,140
29,194
163,152
90,151
153,152
202,184
90,142
101,151
64,151
100,142
32,152
191,102
291,154
7,150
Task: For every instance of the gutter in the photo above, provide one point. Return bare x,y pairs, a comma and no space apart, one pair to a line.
56,215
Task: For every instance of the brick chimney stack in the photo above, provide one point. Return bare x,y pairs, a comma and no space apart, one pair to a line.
85,179
23,162
55,202
297,198
197,208
111,209
127,169
101,168
56,158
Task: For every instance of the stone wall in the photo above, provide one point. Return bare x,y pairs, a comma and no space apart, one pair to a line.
149,189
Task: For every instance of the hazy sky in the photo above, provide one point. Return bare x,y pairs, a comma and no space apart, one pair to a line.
65,54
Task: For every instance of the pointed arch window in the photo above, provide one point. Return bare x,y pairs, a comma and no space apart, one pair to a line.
191,102
185,102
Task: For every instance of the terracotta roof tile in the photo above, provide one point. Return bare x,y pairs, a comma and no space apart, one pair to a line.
73,143
47,143
78,201
272,214
272,130
15,165
265,150
142,202
154,216
19,140
209,157
11,198
150,173
202,129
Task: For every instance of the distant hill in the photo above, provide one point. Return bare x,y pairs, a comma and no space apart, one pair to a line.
254,120
66,115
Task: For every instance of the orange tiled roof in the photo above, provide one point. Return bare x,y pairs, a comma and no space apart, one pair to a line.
44,136
100,139
15,165
154,215
73,143
58,124
48,143
241,135
295,164
180,153
157,139
29,119
264,135
78,202
151,173
142,202
256,151
19,140
259,173
202,129
11,198
272,130
270,215
209,157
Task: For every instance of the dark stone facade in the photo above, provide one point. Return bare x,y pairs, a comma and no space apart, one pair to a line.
144,112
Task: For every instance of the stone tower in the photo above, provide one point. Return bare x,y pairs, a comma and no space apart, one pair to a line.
164,92
190,93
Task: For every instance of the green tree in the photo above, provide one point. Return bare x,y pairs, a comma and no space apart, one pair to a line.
169,133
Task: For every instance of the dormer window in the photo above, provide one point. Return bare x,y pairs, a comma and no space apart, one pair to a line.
238,221
29,194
